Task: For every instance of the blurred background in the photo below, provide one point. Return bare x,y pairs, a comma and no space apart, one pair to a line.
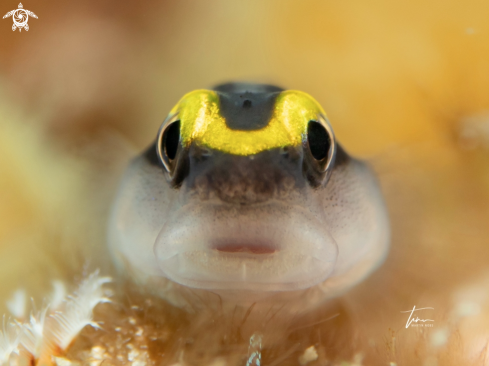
405,85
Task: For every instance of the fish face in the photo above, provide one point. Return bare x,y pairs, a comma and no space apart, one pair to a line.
246,188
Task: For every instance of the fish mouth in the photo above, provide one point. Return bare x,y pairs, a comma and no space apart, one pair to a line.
269,247
255,248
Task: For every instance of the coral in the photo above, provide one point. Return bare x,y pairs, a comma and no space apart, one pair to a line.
9,340
76,312
50,331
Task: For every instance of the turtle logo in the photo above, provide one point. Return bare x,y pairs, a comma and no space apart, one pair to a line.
20,16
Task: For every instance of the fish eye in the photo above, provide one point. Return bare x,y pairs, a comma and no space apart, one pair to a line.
171,138
168,141
319,140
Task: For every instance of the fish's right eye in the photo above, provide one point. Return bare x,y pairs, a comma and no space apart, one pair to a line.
171,139
168,142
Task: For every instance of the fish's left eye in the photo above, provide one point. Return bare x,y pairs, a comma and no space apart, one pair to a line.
320,151
319,140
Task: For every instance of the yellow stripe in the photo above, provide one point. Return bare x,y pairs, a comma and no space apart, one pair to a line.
201,122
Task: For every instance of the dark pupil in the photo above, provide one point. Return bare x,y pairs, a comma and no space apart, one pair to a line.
319,141
171,137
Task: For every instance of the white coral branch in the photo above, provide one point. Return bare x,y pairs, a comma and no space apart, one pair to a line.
9,341
17,304
46,328
33,333
58,295
77,310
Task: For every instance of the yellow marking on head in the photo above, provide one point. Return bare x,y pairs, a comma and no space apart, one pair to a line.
201,122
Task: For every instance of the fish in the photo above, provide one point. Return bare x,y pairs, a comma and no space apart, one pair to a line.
247,194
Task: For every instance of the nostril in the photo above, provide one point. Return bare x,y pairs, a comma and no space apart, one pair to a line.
247,103
245,248
284,151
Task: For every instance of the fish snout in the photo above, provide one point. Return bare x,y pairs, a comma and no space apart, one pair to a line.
245,179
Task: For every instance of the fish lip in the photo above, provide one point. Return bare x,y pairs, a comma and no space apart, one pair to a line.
243,247
294,249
